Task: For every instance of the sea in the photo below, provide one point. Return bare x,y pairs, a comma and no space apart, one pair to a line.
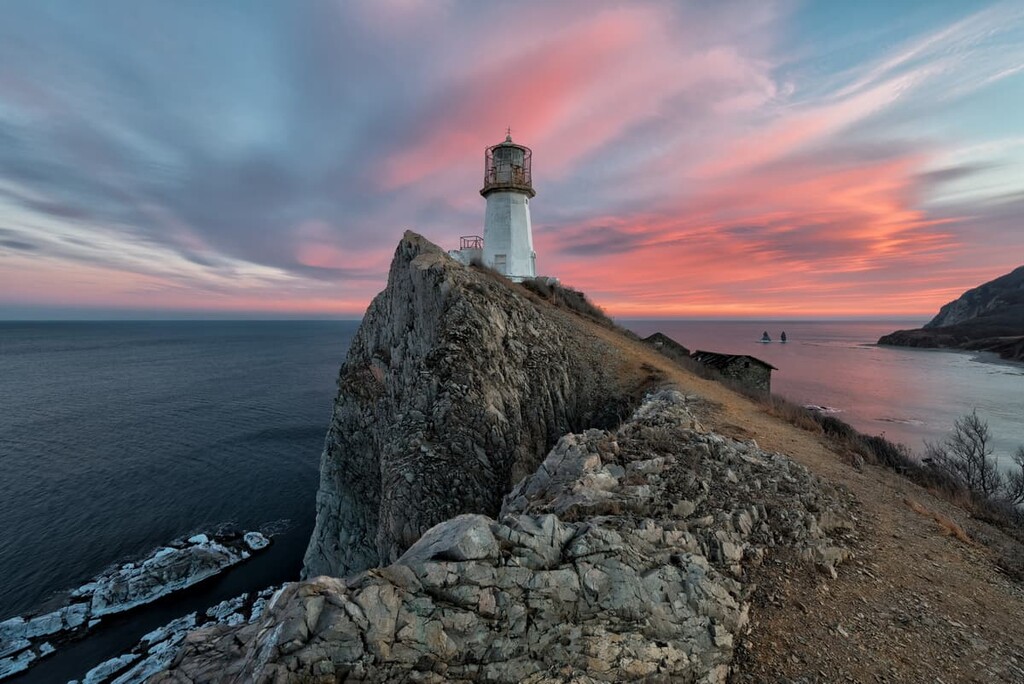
908,395
118,437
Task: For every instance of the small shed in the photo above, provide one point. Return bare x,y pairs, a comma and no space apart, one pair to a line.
667,346
748,370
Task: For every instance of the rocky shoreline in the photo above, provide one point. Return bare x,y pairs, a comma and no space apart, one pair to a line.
1010,347
157,650
179,565
511,492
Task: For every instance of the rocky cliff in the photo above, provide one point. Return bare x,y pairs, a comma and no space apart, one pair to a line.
454,388
994,298
989,317
626,556
503,499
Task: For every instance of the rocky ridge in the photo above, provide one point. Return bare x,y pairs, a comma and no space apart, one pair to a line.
989,299
455,386
626,555
989,317
157,650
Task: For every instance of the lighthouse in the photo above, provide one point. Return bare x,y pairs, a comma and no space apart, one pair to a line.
508,188
507,244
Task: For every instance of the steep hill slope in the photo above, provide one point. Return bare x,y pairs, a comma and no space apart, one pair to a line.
999,298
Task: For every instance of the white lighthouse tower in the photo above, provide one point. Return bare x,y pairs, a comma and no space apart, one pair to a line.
507,244
508,188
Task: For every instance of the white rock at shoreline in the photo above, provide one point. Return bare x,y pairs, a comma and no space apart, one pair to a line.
256,541
20,662
9,646
102,672
157,649
167,631
16,633
165,572
169,569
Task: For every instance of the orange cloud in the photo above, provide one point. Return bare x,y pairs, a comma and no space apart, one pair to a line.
808,237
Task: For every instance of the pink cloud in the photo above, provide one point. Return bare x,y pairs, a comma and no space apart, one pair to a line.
571,92
808,237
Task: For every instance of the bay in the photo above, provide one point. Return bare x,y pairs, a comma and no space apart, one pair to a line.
907,395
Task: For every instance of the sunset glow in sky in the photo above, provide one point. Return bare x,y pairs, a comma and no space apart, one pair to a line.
734,159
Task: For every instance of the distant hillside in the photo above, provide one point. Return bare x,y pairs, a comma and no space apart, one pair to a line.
989,317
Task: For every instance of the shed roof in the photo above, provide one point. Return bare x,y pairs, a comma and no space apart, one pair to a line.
721,361
663,341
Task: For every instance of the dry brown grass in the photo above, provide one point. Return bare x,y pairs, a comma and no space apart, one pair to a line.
945,523
791,413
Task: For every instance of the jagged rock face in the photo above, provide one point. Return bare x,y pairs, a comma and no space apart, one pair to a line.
993,297
454,388
624,557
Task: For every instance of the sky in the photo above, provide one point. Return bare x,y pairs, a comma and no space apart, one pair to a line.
735,159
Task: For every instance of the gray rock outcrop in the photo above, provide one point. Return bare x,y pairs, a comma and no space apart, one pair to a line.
991,298
455,386
626,555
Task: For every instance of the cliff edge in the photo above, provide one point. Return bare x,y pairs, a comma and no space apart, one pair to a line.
989,317
499,501
454,388
514,491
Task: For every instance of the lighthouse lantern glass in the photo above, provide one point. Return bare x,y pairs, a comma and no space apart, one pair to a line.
507,165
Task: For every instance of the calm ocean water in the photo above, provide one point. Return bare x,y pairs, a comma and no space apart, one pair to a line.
910,395
118,437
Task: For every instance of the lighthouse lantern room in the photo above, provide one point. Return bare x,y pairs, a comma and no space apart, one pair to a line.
508,235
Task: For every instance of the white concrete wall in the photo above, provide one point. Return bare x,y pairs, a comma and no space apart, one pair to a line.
507,231
466,256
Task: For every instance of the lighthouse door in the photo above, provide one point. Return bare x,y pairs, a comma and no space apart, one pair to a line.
500,265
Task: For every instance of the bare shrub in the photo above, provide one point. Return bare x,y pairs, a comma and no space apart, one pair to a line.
966,455
1014,492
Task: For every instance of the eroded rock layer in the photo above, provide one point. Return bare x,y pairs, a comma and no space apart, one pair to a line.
624,556
455,386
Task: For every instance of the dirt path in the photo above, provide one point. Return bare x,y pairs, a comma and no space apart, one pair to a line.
915,605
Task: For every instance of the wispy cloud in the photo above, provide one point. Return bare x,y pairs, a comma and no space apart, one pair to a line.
687,163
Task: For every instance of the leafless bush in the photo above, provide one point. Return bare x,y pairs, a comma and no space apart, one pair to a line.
966,455
1015,479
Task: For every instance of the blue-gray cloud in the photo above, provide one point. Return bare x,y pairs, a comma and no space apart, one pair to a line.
223,135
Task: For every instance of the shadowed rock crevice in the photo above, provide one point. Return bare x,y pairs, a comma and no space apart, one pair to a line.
455,387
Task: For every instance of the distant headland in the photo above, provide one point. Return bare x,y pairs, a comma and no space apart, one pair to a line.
989,317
